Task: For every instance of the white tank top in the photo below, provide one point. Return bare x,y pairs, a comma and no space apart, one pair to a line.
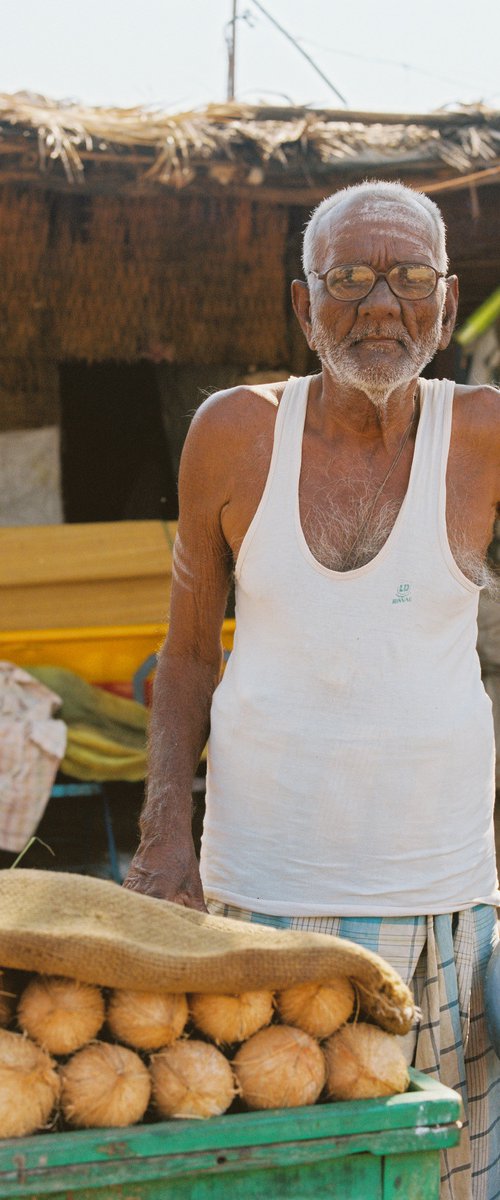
351,754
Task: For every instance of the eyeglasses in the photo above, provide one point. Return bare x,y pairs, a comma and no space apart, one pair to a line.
407,281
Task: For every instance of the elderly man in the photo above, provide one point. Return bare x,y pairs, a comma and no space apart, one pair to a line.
350,777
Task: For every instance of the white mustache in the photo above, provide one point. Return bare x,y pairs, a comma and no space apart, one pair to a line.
378,331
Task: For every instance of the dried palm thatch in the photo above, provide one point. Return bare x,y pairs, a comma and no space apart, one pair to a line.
111,255
174,147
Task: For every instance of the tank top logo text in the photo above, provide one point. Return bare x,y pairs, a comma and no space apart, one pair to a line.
403,594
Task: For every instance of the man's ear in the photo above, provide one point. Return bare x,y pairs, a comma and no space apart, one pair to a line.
302,310
449,311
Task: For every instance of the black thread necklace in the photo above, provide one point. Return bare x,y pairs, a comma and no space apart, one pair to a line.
386,478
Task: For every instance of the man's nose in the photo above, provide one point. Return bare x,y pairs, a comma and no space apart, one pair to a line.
380,300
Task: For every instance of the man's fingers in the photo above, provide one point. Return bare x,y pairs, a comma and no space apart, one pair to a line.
138,880
189,901
138,885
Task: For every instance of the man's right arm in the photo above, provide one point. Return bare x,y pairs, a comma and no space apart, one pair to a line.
188,669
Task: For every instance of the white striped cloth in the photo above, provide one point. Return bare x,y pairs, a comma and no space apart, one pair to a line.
443,959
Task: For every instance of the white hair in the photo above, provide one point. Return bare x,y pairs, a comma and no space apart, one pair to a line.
378,189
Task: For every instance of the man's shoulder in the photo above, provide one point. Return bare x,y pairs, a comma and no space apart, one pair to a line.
234,412
229,422
478,408
244,397
485,393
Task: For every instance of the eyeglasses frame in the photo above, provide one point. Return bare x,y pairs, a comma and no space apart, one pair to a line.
379,275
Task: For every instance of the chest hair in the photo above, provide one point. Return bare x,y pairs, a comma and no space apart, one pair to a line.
331,527
335,507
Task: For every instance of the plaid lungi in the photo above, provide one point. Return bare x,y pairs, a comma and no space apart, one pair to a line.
443,959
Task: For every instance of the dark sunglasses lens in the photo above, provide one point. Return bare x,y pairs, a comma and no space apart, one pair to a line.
350,283
412,281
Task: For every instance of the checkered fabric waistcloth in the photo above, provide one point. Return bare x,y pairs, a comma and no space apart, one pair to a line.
443,959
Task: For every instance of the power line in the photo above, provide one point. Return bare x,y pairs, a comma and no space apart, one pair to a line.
268,92
300,50
386,62
231,41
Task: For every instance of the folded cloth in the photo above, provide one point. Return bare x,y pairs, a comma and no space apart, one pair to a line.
107,734
32,744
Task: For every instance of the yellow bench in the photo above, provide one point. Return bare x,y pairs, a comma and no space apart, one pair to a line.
100,653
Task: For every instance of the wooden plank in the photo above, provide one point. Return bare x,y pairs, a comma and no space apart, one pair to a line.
487,175
124,602
109,573
96,550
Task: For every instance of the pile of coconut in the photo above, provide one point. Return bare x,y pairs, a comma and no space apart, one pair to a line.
73,1055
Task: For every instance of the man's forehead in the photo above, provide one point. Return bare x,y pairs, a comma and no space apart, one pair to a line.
355,216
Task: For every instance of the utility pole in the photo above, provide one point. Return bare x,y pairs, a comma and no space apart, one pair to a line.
231,45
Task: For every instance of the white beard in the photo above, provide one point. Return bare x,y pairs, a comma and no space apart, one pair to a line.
379,380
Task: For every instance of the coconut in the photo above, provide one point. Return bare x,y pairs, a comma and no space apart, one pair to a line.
317,1008
29,1085
60,1014
146,1020
229,1019
363,1061
104,1085
191,1079
280,1067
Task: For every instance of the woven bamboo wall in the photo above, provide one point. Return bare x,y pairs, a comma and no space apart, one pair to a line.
181,279
473,234
29,393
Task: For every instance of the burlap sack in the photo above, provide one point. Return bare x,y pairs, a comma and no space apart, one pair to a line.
95,931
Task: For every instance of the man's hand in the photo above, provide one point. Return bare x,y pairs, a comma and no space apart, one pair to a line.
176,879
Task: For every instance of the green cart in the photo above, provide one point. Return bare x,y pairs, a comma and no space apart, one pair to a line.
384,1149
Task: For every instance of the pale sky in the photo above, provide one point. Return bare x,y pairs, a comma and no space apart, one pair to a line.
382,55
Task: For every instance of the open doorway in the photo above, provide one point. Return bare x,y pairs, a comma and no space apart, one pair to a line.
115,459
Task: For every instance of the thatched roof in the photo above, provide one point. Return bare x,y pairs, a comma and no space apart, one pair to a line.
297,149
135,234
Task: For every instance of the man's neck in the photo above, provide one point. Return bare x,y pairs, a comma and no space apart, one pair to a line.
334,406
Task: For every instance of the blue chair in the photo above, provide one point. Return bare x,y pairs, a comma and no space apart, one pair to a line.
140,677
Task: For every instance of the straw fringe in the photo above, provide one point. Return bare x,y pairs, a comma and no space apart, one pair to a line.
67,131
